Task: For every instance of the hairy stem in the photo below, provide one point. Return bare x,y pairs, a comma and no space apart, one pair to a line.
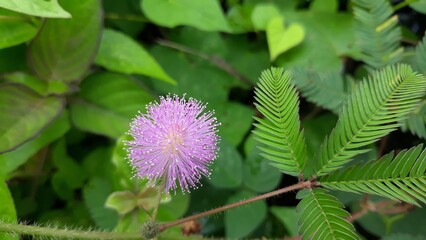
54,233
300,185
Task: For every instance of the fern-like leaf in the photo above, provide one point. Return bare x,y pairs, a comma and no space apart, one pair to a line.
420,56
416,121
321,216
326,90
399,178
374,109
377,32
276,98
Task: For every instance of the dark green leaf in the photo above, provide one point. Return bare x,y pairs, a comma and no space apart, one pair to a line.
108,103
202,14
24,115
241,221
12,160
64,48
287,216
226,169
95,194
120,53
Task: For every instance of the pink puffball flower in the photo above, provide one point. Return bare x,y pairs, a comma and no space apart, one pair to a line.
173,142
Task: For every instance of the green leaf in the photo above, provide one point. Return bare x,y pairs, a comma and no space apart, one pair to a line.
286,216
235,119
7,209
12,160
205,15
24,115
378,34
258,174
16,28
282,38
120,53
402,177
107,103
122,202
403,236
95,194
241,221
276,98
324,89
49,9
69,174
226,169
334,32
263,13
324,6
416,121
419,6
420,56
64,48
321,216
373,110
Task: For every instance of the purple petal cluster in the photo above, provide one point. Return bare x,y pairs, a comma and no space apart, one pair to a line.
175,141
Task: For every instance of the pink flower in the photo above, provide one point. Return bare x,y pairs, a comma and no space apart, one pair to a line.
173,141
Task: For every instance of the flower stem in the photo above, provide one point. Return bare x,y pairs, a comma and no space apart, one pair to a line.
300,185
54,233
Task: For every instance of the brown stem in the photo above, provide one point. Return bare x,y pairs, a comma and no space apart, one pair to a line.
215,60
297,186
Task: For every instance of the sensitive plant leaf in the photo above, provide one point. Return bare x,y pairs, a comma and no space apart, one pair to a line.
24,115
276,98
107,103
374,109
205,15
416,121
401,178
420,56
282,38
120,53
321,216
16,28
12,160
324,89
65,48
49,9
248,217
377,31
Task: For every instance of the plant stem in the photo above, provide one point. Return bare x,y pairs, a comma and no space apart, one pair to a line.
55,233
125,17
300,185
215,60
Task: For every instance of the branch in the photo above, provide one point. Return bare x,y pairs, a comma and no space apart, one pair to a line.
215,60
297,186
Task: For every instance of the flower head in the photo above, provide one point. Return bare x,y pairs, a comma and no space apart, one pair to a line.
174,141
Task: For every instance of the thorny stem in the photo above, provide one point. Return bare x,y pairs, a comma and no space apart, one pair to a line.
300,185
16,228
215,60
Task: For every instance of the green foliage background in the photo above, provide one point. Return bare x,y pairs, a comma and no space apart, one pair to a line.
74,73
